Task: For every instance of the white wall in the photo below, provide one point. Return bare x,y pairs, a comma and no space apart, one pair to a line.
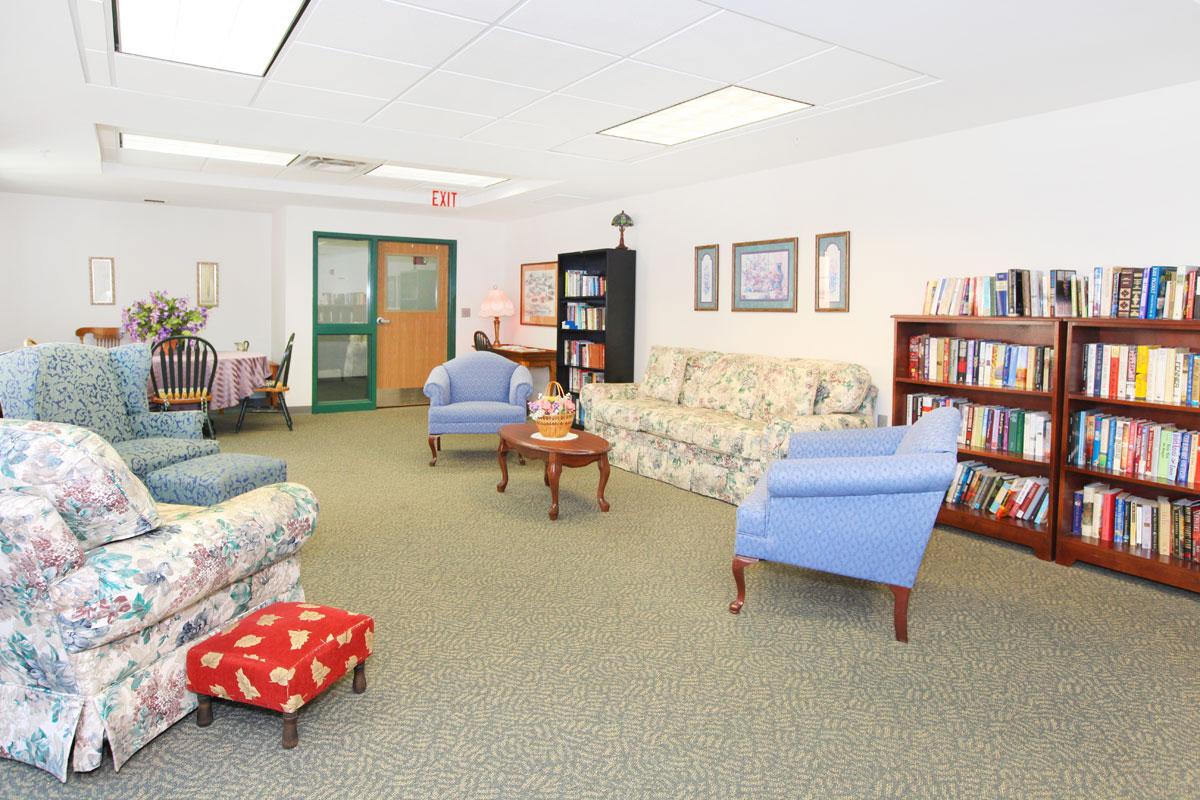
1109,183
48,240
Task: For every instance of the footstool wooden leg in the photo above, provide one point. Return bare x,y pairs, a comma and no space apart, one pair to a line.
360,678
291,737
204,711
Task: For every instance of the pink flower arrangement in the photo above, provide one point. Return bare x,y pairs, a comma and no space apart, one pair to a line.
551,405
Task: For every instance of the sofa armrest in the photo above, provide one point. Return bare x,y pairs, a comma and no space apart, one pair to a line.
287,511
867,408
866,475
520,385
849,442
437,386
171,424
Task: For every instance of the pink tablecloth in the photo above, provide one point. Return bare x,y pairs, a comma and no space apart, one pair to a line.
238,374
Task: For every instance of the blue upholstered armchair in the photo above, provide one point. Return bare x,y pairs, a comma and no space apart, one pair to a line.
475,393
105,391
859,503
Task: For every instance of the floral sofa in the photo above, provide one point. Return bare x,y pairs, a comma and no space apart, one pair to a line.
710,422
102,592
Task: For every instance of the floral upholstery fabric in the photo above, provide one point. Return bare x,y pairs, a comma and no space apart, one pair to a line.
696,377
282,656
81,475
216,478
788,390
664,373
843,388
144,456
733,383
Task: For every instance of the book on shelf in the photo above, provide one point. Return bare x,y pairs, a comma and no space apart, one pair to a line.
583,284
998,494
582,353
576,378
980,362
1150,373
584,316
1135,448
1156,292
1013,431
1155,525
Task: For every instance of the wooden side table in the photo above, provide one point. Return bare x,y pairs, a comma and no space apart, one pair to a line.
584,449
531,357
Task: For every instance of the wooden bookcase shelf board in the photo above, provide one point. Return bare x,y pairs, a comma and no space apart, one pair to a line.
1069,547
619,269
1043,331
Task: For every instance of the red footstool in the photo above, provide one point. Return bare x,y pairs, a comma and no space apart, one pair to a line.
280,657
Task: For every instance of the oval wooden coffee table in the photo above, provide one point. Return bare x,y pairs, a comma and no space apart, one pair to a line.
578,452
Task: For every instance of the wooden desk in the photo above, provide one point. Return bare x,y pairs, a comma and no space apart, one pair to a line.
530,357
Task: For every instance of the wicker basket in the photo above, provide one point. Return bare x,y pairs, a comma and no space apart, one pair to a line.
555,426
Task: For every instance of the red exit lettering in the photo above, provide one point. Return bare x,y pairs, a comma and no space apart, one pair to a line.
442,199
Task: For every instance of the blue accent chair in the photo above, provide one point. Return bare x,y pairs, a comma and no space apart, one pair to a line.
859,503
477,392
105,391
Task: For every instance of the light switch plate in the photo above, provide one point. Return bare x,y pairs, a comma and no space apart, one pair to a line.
466,312
881,420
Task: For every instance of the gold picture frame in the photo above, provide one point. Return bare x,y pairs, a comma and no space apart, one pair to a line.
831,273
208,286
539,294
102,280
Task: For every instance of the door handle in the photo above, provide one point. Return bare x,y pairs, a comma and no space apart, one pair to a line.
382,321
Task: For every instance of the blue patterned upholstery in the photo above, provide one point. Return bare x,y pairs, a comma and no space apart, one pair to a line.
476,393
853,503
144,456
214,478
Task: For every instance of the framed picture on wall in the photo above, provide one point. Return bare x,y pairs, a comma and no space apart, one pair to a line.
832,292
102,281
539,294
708,276
764,275
207,287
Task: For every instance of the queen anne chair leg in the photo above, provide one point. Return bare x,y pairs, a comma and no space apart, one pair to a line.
900,612
739,578
433,448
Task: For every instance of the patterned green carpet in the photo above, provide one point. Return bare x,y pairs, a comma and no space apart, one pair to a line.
594,657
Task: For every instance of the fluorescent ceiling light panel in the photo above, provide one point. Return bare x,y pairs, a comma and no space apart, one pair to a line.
722,110
435,176
233,35
181,147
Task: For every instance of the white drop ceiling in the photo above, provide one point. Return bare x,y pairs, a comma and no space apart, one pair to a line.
520,88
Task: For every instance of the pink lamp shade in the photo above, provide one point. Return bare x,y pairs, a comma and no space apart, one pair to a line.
496,304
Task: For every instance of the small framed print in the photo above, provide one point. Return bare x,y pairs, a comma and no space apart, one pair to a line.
539,294
764,275
207,284
102,281
832,292
708,278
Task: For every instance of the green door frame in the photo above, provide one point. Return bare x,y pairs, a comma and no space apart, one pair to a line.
368,328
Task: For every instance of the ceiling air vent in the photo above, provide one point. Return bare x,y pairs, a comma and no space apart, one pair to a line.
340,166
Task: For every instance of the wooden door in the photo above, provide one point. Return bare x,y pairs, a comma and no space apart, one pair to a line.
411,333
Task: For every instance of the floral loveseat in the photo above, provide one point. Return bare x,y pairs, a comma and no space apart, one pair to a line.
710,422
102,592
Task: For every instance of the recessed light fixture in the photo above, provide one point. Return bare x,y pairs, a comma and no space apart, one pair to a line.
722,110
233,35
182,147
435,176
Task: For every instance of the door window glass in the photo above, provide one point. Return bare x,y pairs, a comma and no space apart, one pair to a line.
343,280
412,283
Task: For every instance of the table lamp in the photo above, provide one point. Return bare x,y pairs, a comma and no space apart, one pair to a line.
622,221
496,305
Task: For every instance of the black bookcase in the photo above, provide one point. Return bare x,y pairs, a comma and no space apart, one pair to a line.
618,269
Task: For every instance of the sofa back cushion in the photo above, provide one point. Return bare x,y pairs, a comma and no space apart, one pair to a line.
732,383
695,376
77,385
842,387
36,546
479,376
664,373
81,475
789,387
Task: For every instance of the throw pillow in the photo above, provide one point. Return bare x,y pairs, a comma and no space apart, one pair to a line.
788,390
81,475
842,387
695,376
664,374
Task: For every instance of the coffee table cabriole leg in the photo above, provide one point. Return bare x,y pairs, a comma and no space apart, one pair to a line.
603,482
502,457
554,467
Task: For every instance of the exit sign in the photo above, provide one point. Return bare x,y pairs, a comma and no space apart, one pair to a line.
442,199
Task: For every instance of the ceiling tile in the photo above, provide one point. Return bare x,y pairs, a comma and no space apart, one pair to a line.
729,47
609,148
423,119
615,26
641,86
520,134
574,113
339,71
97,67
485,10
830,76
277,96
526,60
180,80
388,30
473,95
220,167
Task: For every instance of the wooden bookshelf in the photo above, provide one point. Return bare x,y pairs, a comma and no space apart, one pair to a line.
619,269
1070,547
1022,331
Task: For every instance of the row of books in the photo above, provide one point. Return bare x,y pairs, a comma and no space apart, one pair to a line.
1158,525
1015,431
999,494
1142,372
576,378
583,316
980,362
1136,448
1158,292
580,353
582,284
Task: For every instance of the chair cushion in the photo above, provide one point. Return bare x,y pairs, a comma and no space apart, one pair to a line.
627,414
77,385
788,388
752,512
664,374
720,432
144,456
487,411
214,479
82,476
479,376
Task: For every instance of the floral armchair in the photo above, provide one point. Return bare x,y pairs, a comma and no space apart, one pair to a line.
475,393
103,591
